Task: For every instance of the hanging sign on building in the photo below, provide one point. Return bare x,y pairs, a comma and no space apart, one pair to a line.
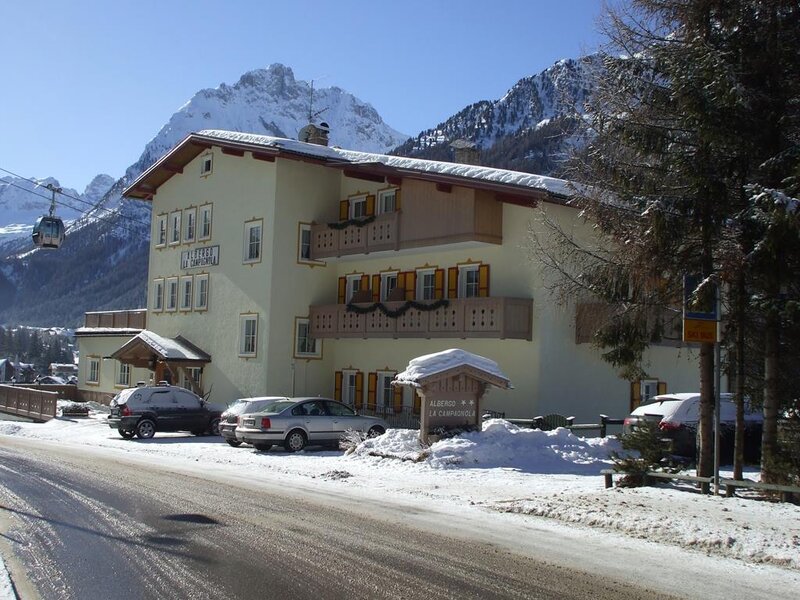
200,257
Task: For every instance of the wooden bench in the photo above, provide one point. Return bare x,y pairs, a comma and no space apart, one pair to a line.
704,482
786,491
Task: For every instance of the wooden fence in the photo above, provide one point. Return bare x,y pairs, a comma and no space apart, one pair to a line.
38,405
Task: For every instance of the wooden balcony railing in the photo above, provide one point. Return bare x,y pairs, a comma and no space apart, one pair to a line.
380,234
497,318
117,319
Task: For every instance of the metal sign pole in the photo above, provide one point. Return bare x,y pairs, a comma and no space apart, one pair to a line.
717,394
718,397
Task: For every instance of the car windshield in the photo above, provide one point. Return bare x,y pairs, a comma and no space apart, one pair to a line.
122,397
277,406
236,408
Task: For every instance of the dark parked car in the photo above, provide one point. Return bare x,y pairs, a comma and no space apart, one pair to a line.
143,410
677,417
229,418
297,422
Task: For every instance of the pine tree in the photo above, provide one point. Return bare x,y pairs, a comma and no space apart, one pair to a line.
679,137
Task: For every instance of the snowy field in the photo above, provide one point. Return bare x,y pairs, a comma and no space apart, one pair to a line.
552,475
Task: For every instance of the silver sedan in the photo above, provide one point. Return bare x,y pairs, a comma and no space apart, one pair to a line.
298,422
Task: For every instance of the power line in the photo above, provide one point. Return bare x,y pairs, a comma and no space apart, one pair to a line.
95,206
107,219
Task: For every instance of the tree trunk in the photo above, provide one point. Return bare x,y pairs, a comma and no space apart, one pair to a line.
769,439
705,429
738,445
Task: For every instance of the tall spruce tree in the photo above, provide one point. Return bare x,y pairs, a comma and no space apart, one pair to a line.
678,141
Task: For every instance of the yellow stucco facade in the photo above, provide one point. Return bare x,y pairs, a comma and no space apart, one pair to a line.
549,372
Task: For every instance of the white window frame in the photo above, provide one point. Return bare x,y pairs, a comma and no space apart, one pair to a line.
248,335
158,295
185,300
645,387
302,229
352,286
123,378
463,285
206,216
206,164
201,303
247,247
170,299
93,370
349,387
383,384
387,278
302,328
161,231
381,207
190,230
353,203
421,288
175,228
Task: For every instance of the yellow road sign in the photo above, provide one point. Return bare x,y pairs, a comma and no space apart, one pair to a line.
699,330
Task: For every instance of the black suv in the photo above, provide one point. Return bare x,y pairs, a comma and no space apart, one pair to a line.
144,410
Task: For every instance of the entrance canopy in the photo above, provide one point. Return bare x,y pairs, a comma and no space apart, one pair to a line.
166,356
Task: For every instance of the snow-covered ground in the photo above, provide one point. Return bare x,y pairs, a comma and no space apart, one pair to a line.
501,469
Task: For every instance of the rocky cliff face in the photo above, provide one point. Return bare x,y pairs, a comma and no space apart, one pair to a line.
531,128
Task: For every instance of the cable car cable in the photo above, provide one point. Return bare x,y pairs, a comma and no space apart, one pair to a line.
108,218
95,206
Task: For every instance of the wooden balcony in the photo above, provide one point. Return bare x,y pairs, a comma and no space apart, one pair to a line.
117,319
380,234
428,217
495,318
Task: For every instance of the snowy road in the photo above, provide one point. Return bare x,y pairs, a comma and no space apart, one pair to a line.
90,527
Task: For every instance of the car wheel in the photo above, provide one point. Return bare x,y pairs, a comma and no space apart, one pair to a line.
126,434
262,447
375,431
145,429
295,441
213,428
234,443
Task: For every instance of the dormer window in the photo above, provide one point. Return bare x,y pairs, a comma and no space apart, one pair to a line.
206,164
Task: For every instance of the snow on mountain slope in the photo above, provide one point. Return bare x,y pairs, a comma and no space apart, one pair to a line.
115,233
272,102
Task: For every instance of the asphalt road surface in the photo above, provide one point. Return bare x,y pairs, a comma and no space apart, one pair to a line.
103,527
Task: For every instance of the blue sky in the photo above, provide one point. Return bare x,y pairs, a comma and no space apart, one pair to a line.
86,84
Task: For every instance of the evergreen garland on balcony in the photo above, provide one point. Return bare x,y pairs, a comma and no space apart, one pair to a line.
393,314
361,222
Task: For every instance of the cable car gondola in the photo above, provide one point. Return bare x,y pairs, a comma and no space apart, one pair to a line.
49,229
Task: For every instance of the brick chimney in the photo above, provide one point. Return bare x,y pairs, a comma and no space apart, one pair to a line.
466,152
315,134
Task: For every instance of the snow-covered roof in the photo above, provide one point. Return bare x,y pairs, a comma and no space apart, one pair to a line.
504,176
502,180
171,349
87,331
424,367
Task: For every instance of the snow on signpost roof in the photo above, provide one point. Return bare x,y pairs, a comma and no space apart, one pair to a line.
422,367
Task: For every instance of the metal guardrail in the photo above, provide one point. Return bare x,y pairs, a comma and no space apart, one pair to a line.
406,418
26,402
549,422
